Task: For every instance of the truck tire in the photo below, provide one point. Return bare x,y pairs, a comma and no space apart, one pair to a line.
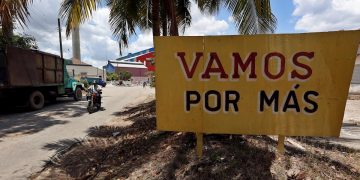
78,94
36,100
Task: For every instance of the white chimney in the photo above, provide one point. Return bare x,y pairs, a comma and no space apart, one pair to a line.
76,46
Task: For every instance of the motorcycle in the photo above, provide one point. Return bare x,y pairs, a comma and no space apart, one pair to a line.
94,101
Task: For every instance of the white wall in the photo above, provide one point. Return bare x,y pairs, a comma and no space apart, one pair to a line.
139,79
356,75
89,70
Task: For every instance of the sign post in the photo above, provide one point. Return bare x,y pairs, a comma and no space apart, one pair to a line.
199,144
281,144
286,85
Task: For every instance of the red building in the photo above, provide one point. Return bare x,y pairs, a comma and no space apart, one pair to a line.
139,64
137,69
148,59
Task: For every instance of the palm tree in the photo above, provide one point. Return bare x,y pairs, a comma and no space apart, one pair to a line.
128,15
11,11
76,12
251,16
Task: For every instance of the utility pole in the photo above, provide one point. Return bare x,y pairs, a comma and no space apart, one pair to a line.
61,49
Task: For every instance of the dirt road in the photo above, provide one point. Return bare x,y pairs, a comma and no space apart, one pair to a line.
28,139
350,130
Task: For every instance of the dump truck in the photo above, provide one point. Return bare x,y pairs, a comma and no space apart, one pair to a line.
31,77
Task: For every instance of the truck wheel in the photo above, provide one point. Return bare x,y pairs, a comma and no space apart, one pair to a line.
36,100
78,94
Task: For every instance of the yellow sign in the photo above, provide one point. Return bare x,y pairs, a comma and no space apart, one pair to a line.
287,84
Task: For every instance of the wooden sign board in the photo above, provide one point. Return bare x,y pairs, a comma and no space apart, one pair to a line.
287,84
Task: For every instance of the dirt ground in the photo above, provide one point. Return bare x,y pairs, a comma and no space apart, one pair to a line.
354,97
138,151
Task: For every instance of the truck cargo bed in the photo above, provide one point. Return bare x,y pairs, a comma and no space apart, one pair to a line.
21,68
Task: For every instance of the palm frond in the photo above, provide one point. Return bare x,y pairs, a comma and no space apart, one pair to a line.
209,6
125,17
13,10
252,16
183,14
145,15
75,12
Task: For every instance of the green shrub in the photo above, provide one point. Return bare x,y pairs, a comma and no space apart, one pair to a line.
125,75
152,79
112,77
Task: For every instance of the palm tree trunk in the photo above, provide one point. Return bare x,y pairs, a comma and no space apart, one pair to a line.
164,26
8,33
174,31
155,17
163,17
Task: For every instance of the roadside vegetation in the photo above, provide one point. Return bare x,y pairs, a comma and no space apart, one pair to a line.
21,41
112,76
139,151
11,12
125,75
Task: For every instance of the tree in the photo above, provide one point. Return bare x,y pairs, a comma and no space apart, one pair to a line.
112,76
11,11
128,15
125,75
251,16
22,41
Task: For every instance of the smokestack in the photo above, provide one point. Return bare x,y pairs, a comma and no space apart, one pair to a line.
76,46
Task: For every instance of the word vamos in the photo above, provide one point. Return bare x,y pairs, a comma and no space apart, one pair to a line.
215,100
214,67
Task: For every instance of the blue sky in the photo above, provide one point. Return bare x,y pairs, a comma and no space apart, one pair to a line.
283,11
98,45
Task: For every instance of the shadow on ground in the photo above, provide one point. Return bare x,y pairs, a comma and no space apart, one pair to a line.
140,151
144,109
26,125
19,121
62,145
316,157
225,157
6,109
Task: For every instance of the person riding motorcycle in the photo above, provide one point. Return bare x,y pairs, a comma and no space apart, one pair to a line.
94,87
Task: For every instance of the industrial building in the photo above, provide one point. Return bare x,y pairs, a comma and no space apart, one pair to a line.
139,64
84,70
77,68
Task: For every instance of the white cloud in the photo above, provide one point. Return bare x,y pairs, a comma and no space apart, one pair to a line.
143,41
97,42
205,24
96,38
231,19
200,25
326,15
